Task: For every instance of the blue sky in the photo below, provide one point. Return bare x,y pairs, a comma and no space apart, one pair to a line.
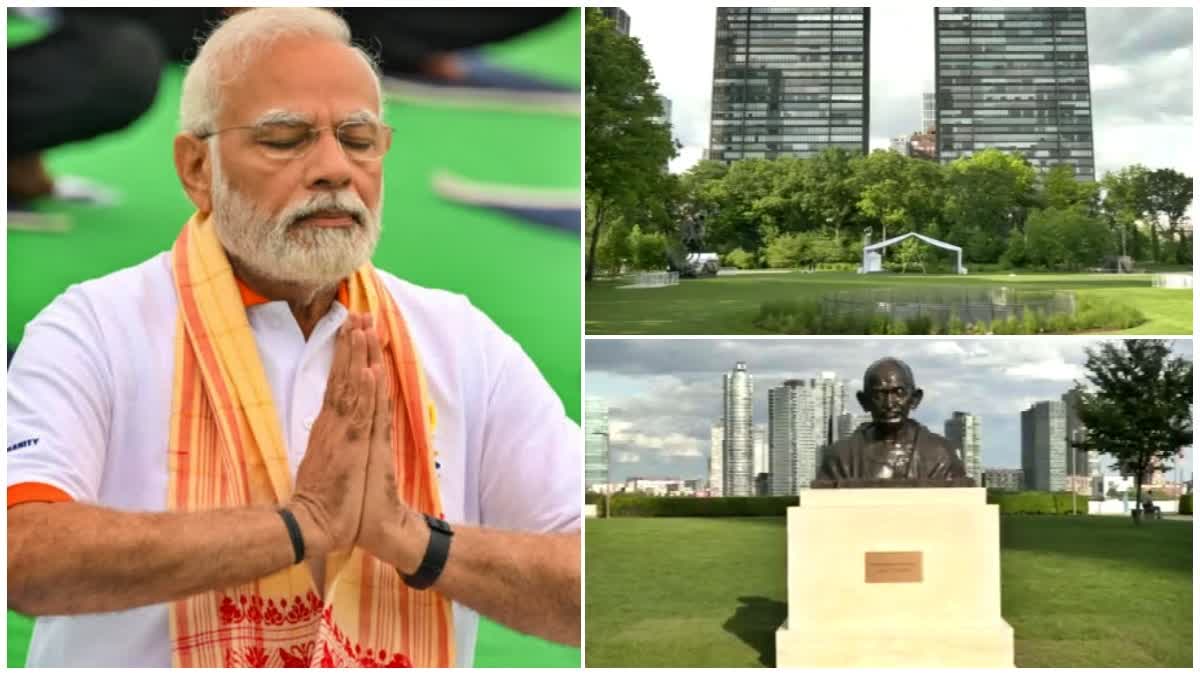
664,395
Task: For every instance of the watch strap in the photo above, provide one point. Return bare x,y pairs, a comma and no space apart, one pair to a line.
435,555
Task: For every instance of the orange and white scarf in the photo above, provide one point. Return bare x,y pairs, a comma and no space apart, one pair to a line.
227,450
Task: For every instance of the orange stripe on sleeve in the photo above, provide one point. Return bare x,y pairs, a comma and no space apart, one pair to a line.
23,493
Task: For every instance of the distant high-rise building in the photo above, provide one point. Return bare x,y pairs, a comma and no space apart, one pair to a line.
928,112
900,144
802,418
1044,446
1004,479
739,433
1079,462
1015,79
762,459
618,16
595,454
848,423
963,432
666,106
716,461
789,81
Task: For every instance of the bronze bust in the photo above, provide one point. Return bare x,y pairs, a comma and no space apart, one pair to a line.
892,450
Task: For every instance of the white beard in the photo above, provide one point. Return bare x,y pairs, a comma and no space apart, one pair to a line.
273,249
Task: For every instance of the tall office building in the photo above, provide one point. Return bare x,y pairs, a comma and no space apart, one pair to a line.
716,461
789,81
618,16
848,423
833,403
1079,462
595,453
739,433
1044,446
762,459
1015,79
928,112
802,418
963,432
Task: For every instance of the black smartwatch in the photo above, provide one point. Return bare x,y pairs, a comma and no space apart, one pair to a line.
435,555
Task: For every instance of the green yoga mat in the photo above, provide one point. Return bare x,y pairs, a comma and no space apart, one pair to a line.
524,277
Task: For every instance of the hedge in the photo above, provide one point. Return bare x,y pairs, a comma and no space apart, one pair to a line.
647,506
1037,503
1185,505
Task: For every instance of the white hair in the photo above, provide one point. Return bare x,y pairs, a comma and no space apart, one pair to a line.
227,51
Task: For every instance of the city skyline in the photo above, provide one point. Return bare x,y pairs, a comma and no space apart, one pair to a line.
664,395
1140,70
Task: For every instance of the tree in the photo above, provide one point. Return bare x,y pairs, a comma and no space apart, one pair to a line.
1060,190
1067,238
1169,193
1126,202
627,145
987,194
911,252
1140,410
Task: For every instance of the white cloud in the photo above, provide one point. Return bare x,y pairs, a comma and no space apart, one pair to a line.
1109,77
1053,371
623,457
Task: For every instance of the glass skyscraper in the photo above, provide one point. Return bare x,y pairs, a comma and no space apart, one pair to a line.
738,440
595,454
802,418
1044,446
789,81
963,431
1015,79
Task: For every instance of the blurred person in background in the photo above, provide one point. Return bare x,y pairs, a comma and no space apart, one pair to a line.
257,449
71,78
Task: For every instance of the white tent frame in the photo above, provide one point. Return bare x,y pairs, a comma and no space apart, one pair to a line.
958,267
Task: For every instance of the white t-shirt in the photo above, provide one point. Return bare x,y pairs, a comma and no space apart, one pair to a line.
89,395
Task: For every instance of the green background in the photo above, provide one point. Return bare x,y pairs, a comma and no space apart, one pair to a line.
525,277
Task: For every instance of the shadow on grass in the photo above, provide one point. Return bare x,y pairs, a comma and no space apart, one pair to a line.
755,622
1163,544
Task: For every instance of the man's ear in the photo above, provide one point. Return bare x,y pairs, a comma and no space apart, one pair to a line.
192,164
863,400
916,397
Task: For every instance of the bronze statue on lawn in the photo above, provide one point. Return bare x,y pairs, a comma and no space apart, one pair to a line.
892,450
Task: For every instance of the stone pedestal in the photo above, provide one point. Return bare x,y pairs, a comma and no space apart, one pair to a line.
904,577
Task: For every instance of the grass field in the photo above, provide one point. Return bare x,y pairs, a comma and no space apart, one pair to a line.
728,304
694,592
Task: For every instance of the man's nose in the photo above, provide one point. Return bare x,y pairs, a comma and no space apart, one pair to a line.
328,166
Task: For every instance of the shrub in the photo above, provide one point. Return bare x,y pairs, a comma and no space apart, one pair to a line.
1036,503
740,259
1185,505
646,506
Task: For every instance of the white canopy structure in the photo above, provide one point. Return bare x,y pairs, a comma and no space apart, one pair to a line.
869,250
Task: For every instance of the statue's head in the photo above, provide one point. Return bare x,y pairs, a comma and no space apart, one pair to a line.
889,392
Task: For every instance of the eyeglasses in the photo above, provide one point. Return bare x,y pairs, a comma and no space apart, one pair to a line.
361,141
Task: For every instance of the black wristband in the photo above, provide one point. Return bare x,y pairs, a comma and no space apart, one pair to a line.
435,555
293,529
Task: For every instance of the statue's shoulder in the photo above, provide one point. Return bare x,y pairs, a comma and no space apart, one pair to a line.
933,441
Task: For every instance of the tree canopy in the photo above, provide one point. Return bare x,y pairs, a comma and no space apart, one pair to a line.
1139,407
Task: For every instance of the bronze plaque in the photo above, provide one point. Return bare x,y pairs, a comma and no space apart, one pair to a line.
893,567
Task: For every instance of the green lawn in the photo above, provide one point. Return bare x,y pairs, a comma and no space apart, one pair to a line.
728,304
695,592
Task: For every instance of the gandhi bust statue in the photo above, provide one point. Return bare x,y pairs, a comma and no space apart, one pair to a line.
891,448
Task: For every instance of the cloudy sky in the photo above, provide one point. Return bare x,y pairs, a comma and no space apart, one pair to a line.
664,395
1141,68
